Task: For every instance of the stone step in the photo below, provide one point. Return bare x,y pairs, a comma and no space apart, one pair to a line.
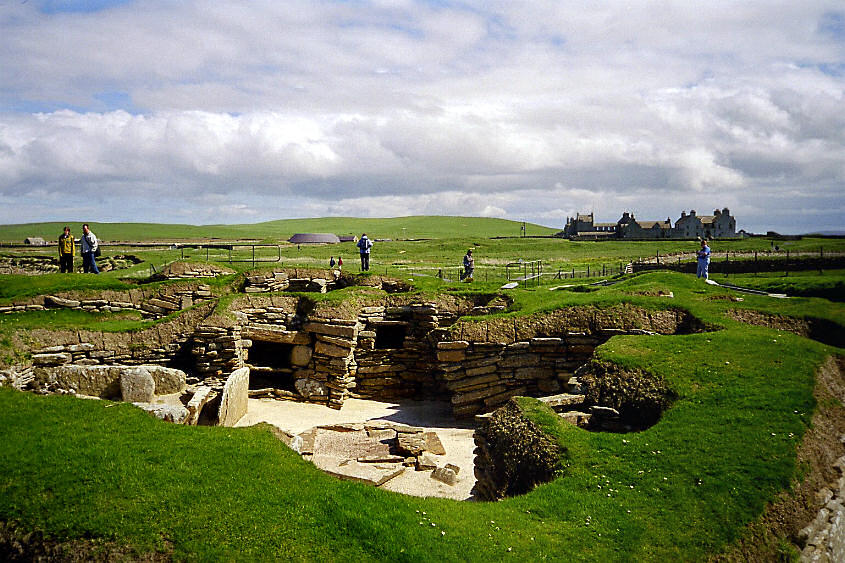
563,401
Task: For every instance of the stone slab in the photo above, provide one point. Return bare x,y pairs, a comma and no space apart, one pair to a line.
233,403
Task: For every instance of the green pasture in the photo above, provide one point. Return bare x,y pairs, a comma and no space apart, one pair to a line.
681,490
685,489
829,284
280,231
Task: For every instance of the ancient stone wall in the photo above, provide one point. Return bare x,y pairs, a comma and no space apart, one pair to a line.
823,539
151,304
217,350
164,344
394,357
480,376
300,281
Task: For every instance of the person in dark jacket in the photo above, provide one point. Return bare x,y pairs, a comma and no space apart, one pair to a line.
364,245
469,266
67,248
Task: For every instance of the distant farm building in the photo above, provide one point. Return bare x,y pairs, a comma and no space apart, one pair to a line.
314,238
348,238
35,241
688,226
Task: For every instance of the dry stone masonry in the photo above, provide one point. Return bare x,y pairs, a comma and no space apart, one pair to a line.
150,304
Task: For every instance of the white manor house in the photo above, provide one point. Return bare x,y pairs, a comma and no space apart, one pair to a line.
688,226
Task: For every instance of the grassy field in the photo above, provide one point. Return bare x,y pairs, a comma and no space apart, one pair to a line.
451,237
278,231
829,284
682,490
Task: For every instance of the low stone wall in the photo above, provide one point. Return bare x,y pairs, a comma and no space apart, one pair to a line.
823,539
300,281
483,375
403,364
164,344
389,352
217,350
103,381
150,304
512,454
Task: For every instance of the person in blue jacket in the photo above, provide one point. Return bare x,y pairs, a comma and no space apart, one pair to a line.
703,256
364,245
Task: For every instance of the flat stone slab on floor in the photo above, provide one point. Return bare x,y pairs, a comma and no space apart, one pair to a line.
369,473
422,416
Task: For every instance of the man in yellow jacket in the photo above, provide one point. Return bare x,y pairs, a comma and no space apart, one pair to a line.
66,252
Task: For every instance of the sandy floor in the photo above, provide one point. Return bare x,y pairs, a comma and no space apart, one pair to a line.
456,436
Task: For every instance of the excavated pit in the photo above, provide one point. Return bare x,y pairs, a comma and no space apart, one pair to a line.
303,353
820,330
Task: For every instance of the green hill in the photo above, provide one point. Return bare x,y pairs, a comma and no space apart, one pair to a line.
421,226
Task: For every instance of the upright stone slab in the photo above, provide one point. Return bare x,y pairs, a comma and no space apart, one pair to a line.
233,404
167,380
137,385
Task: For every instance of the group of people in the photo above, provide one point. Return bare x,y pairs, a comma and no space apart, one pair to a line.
364,245
89,249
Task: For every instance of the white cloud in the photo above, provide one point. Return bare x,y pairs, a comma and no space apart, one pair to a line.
275,109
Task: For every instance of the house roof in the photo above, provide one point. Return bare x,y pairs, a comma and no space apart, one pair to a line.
652,224
314,238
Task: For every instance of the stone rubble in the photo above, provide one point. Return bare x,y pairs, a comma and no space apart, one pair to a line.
823,539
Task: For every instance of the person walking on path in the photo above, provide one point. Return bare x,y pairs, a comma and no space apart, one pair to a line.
90,246
331,262
469,266
340,262
364,245
67,248
703,256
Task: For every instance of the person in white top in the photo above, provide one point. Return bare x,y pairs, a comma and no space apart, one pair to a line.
89,250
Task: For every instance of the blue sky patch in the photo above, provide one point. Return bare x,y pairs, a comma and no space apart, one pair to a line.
77,6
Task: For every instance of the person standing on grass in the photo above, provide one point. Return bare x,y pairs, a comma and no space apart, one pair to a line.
469,266
340,262
364,245
703,256
67,248
89,250
331,262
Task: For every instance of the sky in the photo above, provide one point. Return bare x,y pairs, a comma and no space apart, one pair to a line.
238,112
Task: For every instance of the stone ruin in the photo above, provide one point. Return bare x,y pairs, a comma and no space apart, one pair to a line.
292,348
33,265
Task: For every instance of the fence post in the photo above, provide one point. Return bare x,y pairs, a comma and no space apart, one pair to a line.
588,270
